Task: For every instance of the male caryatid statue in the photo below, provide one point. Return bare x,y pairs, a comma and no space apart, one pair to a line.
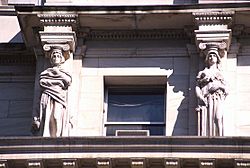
211,92
54,81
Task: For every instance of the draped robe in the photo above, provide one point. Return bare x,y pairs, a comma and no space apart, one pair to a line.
53,104
211,83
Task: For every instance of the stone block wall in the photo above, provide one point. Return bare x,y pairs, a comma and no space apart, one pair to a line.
120,59
16,88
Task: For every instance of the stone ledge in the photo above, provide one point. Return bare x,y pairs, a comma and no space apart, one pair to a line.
200,145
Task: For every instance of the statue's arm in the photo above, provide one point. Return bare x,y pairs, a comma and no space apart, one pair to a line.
200,95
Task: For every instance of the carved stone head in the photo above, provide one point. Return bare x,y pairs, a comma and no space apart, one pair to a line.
56,57
212,55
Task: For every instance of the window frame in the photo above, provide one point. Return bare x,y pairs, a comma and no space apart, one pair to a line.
130,123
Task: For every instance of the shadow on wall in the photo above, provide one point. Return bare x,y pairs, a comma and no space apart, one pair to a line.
180,2
17,38
180,84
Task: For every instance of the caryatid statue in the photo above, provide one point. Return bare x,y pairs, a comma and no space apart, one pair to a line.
211,91
54,119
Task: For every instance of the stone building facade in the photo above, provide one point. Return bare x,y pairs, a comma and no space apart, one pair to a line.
132,99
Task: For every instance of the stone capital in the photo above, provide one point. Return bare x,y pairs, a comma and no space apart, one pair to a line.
58,32
213,31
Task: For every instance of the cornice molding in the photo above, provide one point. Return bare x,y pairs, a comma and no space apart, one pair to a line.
58,18
133,35
213,18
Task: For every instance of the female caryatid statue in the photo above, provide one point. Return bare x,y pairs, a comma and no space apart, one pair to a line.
54,82
211,92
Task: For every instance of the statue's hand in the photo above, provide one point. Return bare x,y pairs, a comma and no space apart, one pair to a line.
55,70
35,124
213,88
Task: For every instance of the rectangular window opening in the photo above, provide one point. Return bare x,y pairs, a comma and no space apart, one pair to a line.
137,108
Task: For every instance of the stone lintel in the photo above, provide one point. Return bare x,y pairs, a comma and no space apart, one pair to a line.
207,163
69,163
34,164
172,163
